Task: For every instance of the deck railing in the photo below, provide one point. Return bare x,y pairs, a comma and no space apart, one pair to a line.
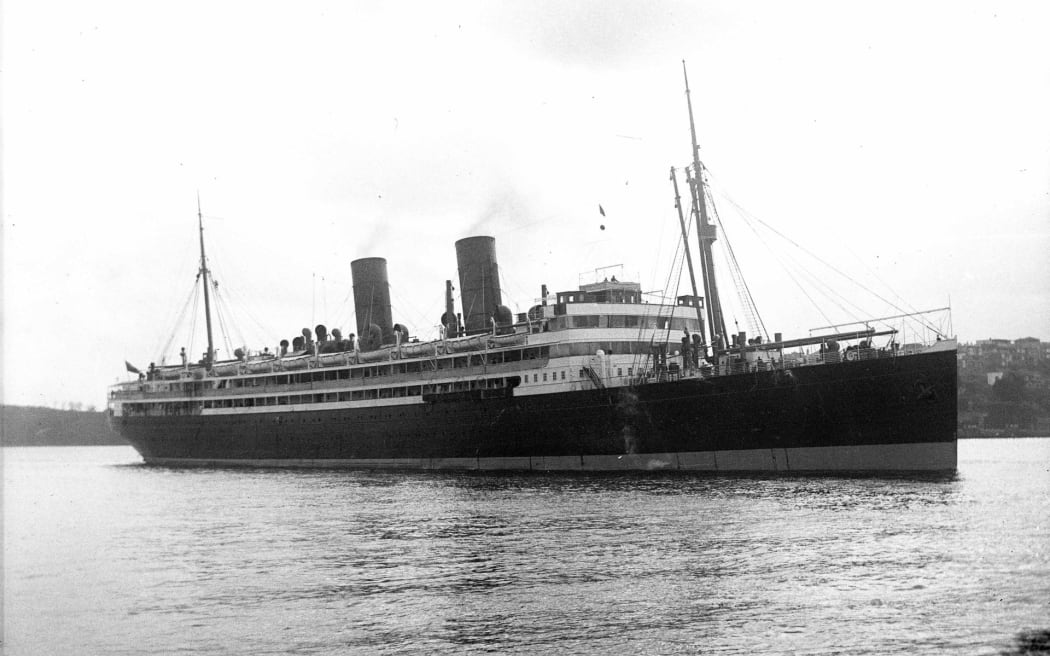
788,361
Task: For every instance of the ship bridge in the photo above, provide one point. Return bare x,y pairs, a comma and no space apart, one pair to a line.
615,304
604,292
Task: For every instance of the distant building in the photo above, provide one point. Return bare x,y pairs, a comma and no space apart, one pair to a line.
987,355
1030,351
968,356
1004,385
995,353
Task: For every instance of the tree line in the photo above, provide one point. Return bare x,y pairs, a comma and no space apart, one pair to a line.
36,426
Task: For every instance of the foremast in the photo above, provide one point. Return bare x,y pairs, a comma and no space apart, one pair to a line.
209,357
706,235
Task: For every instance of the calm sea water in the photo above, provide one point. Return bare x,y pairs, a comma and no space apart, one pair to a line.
105,556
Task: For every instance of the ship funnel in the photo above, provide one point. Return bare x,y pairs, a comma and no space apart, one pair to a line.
478,282
372,301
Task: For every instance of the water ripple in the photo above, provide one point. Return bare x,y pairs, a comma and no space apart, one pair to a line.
106,556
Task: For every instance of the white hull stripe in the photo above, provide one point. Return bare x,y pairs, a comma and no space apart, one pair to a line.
928,456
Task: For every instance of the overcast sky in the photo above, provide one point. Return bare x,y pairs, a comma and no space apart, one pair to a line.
907,144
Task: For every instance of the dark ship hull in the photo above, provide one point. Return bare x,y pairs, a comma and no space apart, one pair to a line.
887,414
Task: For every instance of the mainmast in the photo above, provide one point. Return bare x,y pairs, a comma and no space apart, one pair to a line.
209,357
706,235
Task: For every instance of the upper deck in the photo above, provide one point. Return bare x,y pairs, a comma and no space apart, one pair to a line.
635,342
555,331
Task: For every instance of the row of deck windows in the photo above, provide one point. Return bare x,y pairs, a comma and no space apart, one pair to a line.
195,388
359,395
609,348
479,359
622,321
560,375
188,407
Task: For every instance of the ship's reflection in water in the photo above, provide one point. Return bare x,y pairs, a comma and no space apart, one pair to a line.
125,559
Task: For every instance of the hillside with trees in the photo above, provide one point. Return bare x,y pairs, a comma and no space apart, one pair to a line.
34,426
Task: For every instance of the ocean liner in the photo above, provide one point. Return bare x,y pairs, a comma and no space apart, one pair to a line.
598,377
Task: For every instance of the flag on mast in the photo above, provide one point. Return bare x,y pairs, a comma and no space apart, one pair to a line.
131,368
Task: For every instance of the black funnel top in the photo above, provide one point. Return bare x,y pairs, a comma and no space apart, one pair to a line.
372,297
478,281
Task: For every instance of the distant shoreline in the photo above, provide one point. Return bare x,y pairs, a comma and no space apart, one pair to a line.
60,446
1002,437
995,435
37,426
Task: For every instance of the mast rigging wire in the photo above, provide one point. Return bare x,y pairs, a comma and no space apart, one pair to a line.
220,312
162,354
195,315
234,298
747,301
641,360
747,216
